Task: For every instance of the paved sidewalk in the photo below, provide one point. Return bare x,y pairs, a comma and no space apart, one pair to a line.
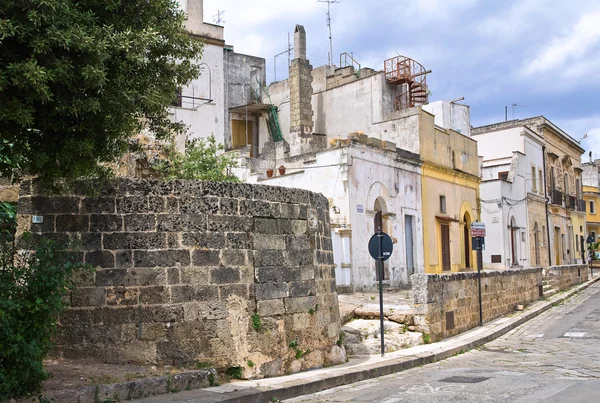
359,369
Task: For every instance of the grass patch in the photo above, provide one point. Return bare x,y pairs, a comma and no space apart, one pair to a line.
256,322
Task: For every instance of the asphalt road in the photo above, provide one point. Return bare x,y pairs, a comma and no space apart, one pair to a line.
555,357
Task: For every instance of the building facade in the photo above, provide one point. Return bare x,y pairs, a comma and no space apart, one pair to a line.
565,215
513,203
591,195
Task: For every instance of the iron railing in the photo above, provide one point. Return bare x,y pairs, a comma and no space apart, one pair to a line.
556,197
570,202
581,205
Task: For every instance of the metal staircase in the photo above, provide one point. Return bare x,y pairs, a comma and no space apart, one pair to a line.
272,118
412,77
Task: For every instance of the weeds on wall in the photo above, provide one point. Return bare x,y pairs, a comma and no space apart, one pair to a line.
33,287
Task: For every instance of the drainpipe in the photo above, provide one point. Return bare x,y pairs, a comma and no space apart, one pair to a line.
547,212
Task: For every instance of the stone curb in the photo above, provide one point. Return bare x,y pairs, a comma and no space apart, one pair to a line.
304,386
134,389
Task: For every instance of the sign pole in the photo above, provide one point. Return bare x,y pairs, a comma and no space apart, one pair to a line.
380,262
479,265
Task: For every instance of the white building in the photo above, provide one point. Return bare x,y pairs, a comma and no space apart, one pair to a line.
512,198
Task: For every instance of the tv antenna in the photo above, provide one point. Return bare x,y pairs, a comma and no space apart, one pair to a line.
329,3
516,105
217,18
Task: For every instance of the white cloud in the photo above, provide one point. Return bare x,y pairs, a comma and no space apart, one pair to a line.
568,53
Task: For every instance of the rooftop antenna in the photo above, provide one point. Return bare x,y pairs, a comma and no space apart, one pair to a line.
516,105
329,3
217,17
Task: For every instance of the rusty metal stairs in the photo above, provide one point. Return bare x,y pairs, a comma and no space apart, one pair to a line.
411,76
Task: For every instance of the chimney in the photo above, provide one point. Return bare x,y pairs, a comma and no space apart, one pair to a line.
590,157
195,15
300,82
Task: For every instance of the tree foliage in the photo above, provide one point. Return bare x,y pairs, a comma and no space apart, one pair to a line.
33,286
79,77
200,162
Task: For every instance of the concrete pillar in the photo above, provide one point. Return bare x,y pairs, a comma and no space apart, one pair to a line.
300,82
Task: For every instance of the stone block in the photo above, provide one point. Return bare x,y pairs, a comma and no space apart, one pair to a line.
131,277
205,257
132,205
171,205
208,240
159,314
301,288
145,187
299,257
256,208
299,304
230,223
173,241
173,276
106,223
123,259
100,258
122,296
140,222
98,205
199,205
298,227
268,242
277,274
237,240
271,307
227,189
301,321
228,206
234,257
119,315
152,332
266,226
271,291
290,211
298,242
187,188
65,205
307,272
268,258
195,275
161,258
181,222
154,295
244,291
72,223
87,296
189,293
88,241
135,240
224,275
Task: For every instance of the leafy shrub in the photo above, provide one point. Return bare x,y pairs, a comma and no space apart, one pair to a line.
256,322
33,286
200,162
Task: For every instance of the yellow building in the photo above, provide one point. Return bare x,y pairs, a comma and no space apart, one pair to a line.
591,195
450,193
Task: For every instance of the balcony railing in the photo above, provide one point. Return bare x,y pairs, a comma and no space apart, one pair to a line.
570,202
581,205
557,197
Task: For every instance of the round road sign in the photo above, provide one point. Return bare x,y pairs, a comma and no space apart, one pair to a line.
387,246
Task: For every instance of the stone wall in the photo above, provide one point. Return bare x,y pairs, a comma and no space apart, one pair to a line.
564,277
186,271
448,304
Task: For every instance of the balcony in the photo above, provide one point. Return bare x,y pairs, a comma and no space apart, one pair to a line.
581,205
556,197
570,202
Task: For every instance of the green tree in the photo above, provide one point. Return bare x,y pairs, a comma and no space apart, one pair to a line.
79,77
200,162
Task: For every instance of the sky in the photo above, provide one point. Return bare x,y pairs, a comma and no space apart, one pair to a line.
543,55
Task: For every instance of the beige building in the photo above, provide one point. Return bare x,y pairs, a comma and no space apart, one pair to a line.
564,227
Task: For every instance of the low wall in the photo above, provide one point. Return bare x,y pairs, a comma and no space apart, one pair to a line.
187,271
564,277
448,304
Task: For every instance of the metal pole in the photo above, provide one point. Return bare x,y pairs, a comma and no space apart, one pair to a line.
479,265
330,41
380,261
275,68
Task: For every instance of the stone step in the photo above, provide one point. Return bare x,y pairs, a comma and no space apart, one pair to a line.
549,293
547,287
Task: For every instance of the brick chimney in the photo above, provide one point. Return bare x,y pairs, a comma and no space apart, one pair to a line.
300,82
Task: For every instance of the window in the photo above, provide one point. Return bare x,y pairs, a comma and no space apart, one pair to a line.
541,181
503,175
533,180
552,179
592,207
442,204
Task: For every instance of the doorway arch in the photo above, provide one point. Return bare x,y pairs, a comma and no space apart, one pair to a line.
380,222
467,239
513,230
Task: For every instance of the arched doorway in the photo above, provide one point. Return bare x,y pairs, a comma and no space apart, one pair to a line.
467,240
513,232
536,243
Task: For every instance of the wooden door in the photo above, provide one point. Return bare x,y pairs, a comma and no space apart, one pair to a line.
557,246
238,134
445,229
466,245
409,243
